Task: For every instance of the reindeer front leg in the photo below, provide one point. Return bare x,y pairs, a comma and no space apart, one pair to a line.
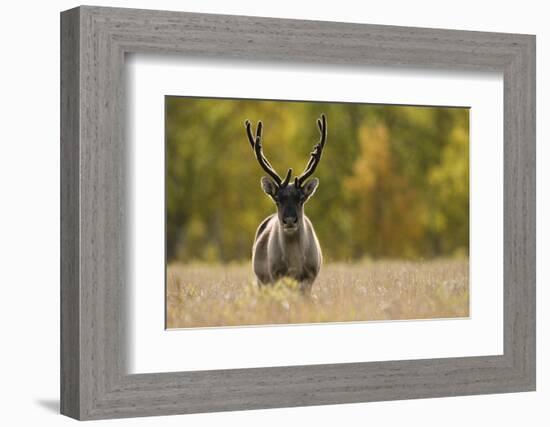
305,287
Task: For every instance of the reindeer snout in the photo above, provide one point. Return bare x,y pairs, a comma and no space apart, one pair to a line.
290,221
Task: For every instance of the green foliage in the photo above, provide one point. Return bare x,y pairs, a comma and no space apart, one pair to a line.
394,179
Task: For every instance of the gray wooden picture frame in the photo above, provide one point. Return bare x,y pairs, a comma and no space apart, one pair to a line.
94,381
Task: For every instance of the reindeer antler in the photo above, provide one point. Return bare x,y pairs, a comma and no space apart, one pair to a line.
316,153
256,143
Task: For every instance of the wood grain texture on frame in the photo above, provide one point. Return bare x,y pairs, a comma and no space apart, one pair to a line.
94,269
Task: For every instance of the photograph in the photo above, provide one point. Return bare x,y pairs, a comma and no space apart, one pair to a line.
293,212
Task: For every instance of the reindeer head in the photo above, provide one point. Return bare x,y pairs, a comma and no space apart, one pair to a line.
289,196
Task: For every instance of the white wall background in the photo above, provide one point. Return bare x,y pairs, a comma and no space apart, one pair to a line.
29,212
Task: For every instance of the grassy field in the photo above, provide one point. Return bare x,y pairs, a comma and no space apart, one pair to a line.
201,295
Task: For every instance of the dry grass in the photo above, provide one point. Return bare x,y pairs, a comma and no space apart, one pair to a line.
206,295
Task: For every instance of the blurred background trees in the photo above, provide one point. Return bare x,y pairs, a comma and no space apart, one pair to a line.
394,179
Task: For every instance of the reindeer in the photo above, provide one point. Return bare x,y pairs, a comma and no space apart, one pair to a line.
285,244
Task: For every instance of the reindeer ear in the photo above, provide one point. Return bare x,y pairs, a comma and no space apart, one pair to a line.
310,187
269,186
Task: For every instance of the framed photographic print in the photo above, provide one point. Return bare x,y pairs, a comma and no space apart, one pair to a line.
262,213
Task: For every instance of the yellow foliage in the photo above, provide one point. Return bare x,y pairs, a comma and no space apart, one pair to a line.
393,179
388,220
